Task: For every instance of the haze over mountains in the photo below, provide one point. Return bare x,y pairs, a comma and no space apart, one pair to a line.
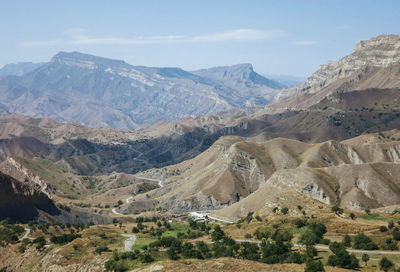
95,91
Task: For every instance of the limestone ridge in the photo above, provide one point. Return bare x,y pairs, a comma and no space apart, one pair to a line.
379,52
98,92
234,170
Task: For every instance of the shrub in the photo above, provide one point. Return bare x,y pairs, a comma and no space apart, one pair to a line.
365,258
146,258
285,210
362,241
341,257
295,257
325,241
385,264
383,229
337,210
299,223
249,251
261,234
309,237
396,234
346,241
102,249
135,230
217,234
314,266
64,239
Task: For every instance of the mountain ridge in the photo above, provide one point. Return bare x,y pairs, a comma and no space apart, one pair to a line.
96,91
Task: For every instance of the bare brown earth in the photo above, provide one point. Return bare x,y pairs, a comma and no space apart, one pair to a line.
225,265
264,175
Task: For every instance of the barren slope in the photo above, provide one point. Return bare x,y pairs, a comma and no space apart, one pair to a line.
252,175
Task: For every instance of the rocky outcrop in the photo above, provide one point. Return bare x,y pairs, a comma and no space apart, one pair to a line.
13,168
23,202
369,56
235,171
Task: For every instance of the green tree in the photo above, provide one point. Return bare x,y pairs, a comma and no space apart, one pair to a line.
146,258
285,210
352,216
341,257
311,252
314,266
385,264
308,238
140,226
249,251
203,250
337,210
365,258
172,253
135,230
217,234
347,241
396,234
362,241
383,229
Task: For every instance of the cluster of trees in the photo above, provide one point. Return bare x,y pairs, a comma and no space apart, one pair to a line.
64,239
118,261
40,242
313,234
33,225
278,249
9,233
162,226
341,257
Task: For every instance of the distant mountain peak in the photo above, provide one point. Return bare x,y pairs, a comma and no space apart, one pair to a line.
238,73
86,60
18,69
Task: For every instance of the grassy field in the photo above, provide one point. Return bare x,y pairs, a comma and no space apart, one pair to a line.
146,239
375,217
372,264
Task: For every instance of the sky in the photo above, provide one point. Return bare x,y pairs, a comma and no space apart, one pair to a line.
290,37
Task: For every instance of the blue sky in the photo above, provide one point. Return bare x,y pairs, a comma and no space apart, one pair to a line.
290,37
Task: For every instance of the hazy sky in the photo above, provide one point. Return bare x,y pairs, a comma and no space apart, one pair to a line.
280,37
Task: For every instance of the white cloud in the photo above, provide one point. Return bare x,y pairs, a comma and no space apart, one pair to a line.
79,36
305,42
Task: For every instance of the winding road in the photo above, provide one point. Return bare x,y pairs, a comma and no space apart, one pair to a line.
114,211
129,241
130,199
160,182
27,232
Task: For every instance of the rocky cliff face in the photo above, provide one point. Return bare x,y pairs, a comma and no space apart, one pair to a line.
234,171
13,168
379,52
23,202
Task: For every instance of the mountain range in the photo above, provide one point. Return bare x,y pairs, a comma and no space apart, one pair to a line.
332,140
100,92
